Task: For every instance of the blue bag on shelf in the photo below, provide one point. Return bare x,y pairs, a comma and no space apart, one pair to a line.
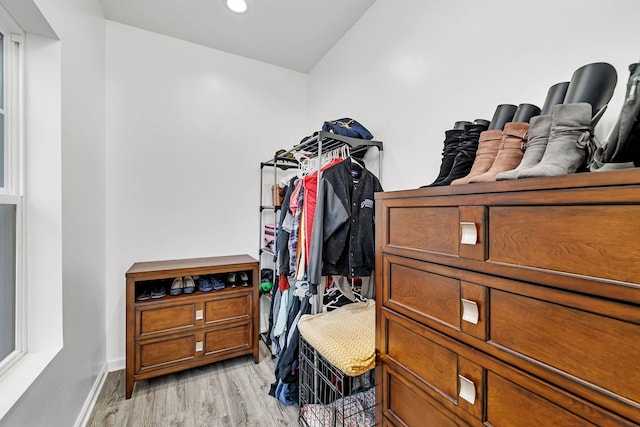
347,127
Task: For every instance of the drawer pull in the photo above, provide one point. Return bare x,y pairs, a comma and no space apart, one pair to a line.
199,346
470,311
467,390
199,314
469,233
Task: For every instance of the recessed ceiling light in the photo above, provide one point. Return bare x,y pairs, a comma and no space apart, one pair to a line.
237,6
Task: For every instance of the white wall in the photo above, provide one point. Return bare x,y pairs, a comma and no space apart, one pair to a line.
408,70
57,396
187,128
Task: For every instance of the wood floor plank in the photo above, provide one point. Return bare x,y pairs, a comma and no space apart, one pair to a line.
231,393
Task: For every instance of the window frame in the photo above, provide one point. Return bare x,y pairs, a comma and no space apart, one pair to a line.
12,193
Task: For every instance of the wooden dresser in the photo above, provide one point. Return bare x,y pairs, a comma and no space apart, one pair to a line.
174,333
510,303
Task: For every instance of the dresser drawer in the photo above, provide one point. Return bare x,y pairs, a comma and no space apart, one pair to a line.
442,372
593,348
156,319
407,405
439,229
409,287
597,240
509,404
230,308
228,338
162,353
192,312
426,293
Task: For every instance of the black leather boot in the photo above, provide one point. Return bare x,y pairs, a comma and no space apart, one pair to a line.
451,141
465,155
621,148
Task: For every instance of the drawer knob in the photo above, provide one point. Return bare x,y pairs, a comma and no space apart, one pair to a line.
199,314
467,390
469,235
470,311
199,346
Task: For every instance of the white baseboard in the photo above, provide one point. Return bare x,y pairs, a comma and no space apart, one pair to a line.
90,402
116,365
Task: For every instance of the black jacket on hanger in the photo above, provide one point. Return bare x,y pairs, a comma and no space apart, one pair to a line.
343,238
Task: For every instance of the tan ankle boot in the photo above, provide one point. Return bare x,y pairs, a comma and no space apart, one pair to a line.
487,150
514,137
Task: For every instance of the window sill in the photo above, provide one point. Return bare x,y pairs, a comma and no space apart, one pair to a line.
21,375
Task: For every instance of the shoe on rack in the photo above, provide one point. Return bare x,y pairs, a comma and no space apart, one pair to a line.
205,285
231,279
244,278
158,291
189,285
177,286
143,294
217,284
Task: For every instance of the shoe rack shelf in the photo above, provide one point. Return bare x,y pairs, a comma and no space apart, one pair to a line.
176,332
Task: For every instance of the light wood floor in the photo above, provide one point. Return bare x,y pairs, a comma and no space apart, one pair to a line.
231,393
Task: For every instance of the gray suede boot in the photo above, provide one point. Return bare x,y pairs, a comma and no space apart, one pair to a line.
539,129
570,142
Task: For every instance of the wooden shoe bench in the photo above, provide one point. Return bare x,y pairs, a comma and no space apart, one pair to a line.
512,303
174,333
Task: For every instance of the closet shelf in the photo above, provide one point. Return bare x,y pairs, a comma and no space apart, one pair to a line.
323,142
267,251
269,207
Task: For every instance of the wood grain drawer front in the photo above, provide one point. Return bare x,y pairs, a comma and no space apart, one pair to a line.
444,375
154,320
421,295
407,405
424,229
230,338
597,241
226,309
434,364
508,404
596,349
161,353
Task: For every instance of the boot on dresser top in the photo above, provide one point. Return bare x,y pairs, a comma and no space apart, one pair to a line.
570,142
466,153
511,147
510,151
539,129
621,148
488,145
489,142
451,141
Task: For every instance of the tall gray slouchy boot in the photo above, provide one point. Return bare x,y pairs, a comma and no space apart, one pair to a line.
570,142
539,129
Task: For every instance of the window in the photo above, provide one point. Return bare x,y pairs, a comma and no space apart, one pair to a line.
11,194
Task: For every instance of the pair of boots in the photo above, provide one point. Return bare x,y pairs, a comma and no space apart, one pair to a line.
549,145
498,150
460,146
558,144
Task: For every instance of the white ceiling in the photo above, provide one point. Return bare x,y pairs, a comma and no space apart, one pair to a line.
293,34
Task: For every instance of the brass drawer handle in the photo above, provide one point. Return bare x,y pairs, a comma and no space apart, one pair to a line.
469,235
470,311
467,390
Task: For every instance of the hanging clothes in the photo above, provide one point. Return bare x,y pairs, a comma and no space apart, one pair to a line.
342,241
282,238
